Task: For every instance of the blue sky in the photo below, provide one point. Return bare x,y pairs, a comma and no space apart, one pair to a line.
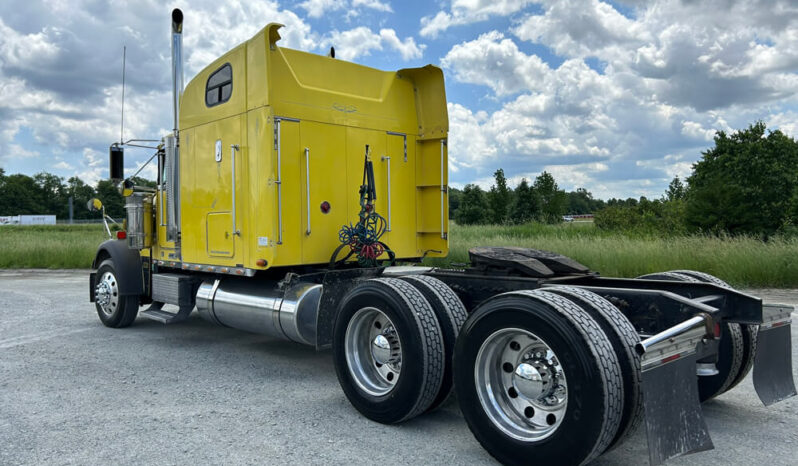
616,97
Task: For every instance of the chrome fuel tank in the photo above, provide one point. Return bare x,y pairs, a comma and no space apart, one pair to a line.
262,307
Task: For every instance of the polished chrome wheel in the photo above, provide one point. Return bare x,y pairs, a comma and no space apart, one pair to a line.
106,293
373,351
521,384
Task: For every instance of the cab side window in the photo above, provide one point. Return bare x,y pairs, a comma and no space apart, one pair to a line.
219,86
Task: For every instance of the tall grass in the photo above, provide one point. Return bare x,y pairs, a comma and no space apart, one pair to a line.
742,261
49,246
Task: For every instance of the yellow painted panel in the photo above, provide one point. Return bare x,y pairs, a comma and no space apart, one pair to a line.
402,237
194,111
260,229
290,251
220,241
326,159
207,184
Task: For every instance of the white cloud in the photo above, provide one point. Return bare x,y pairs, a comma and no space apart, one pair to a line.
361,41
496,62
408,49
373,4
317,8
468,11
659,86
15,151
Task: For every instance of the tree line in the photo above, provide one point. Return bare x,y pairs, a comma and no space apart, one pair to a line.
746,185
45,193
540,201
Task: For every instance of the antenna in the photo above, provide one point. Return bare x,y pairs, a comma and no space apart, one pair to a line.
122,124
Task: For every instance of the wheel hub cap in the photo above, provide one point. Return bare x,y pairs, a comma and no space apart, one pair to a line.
521,384
106,293
381,349
373,351
528,381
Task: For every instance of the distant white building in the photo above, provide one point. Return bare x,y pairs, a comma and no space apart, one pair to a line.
28,220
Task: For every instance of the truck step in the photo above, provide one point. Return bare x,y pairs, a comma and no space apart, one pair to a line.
157,314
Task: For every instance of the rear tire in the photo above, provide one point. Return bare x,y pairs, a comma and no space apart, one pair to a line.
749,332
115,310
623,337
499,342
732,350
451,315
388,350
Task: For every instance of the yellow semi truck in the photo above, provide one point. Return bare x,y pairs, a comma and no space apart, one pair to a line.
297,195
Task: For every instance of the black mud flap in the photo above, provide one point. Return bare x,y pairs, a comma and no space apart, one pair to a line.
675,425
773,378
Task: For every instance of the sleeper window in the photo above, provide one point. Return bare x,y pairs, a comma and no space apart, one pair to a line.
220,86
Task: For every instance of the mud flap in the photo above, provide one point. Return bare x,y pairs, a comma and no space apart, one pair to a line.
773,379
675,424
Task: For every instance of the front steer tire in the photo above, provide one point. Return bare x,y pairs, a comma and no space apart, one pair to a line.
115,310
500,334
388,350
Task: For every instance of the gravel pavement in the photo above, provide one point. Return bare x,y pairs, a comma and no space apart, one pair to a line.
75,392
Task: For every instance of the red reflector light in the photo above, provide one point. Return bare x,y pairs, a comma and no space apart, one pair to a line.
716,329
671,358
325,207
121,234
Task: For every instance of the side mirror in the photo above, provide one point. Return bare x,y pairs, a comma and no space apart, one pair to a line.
117,163
94,205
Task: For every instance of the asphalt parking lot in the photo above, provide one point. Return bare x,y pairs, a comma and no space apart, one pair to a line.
75,392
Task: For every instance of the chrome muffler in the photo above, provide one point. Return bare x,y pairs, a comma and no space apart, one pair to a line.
262,307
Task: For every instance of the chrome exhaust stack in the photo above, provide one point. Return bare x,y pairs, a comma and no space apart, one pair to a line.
177,64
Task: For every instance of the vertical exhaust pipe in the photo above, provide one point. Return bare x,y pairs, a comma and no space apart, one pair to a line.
177,64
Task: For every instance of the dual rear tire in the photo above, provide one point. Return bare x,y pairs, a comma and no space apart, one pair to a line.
737,348
392,346
548,375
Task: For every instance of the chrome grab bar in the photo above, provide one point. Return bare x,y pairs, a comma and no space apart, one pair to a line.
307,185
443,192
233,149
279,184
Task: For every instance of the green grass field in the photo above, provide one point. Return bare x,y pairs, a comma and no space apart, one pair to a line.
741,261
49,246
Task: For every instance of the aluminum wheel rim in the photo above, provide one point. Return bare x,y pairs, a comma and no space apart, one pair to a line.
106,294
521,384
373,351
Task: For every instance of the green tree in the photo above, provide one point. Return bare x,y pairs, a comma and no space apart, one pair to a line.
527,203
581,201
552,198
676,190
111,198
454,201
745,184
20,195
473,206
499,199
81,193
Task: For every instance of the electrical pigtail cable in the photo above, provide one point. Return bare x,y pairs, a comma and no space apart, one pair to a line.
363,238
